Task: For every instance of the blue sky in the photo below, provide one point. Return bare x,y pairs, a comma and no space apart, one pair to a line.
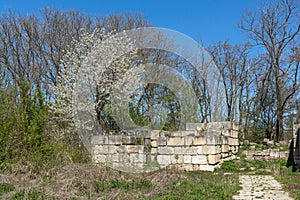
206,21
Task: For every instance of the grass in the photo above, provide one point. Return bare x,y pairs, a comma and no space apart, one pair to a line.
4,188
84,181
202,185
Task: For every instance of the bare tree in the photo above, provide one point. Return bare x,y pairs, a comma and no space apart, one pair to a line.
275,29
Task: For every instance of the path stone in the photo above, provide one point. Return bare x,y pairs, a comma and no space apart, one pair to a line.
260,187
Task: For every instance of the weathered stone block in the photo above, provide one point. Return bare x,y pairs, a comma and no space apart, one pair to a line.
284,154
213,159
224,140
154,143
161,141
211,150
191,150
187,159
137,158
165,150
199,159
213,140
274,153
187,167
234,134
153,151
176,134
187,133
115,139
180,159
121,149
224,148
225,155
132,148
154,134
210,168
233,141
105,149
195,126
226,132
128,140
178,150
199,140
99,139
196,167
188,140
100,159
164,159
175,141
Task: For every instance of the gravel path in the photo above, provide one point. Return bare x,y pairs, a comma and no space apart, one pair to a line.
260,187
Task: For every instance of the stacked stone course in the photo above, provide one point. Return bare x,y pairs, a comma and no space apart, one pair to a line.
199,147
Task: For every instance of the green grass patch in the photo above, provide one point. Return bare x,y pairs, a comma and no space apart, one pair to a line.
202,185
101,186
4,188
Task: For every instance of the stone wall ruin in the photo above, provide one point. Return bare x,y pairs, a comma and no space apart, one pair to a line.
199,147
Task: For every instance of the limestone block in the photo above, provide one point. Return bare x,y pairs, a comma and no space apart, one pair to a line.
225,155
132,148
154,143
180,159
266,152
137,158
213,159
176,134
196,167
124,158
195,126
141,149
175,141
153,151
188,140
213,139
154,134
187,133
164,159
115,157
199,140
199,159
249,158
224,148
224,140
187,167
284,154
234,134
187,159
210,168
121,149
165,150
161,141
128,140
105,149
274,153
99,139
226,132
233,141
115,139
192,150
211,150
100,159
178,150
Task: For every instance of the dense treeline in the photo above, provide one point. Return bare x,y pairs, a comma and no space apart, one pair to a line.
260,77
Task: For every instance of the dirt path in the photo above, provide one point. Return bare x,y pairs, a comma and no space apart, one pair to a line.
260,187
